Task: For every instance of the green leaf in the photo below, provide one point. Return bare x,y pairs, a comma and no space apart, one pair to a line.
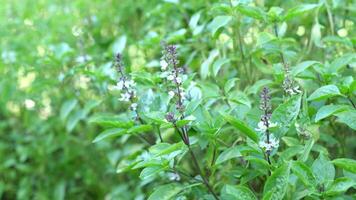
304,174
73,119
109,134
140,129
218,64
185,121
328,110
324,92
161,149
299,10
346,164
150,171
218,22
205,66
166,192
348,118
303,66
285,114
253,12
340,185
340,62
67,107
232,152
110,122
230,84
276,185
241,126
323,170
193,22
238,192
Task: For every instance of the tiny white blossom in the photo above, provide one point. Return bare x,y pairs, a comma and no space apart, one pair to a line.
261,127
293,91
134,106
179,80
125,97
271,145
163,64
130,83
119,85
171,94
170,77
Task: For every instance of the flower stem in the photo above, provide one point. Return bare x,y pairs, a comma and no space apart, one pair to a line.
205,179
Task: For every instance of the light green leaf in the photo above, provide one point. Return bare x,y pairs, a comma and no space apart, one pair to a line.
285,114
109,134
299,10
166,192
230,84
111,122
218,64
67,107
346,164
303,66
328,110
348,118
140,128
340,62
324,92
304,174
205,66
161,149
73,119
253,12
193,22
241,126
340,185
232,152
150,171
238,192
323,170
276,185
218,22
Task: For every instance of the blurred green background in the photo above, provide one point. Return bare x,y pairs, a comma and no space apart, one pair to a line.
55,71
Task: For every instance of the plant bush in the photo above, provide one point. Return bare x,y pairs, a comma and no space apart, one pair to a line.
178,100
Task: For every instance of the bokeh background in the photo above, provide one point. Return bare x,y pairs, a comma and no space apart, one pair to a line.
55,76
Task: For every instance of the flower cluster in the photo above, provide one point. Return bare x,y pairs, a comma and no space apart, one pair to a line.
269,146
289,85
125,85
268,142
174,74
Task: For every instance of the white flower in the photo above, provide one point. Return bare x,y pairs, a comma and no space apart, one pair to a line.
261,127
170,77
271,124
171,94
29,104
134,106
179,80
271,145
130,83
119,85
125,97
163,64
293,91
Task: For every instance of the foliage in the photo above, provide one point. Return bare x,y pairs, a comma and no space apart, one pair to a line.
178,99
